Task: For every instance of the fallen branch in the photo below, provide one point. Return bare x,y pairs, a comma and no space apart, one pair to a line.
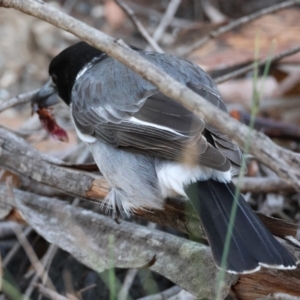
19,157
86,236
234,24
285,163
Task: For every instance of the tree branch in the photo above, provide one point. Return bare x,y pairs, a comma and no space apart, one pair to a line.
285,163
19,157
20,99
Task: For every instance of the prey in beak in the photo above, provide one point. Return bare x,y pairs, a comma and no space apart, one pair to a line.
41,104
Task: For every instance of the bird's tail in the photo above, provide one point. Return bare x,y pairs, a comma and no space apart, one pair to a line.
251,244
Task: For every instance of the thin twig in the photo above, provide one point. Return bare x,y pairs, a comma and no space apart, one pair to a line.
32,256
236,23
128,281
174,290
259,185
139,26
261,63
48,258
15,249
212,12
49,293
5,229
166,19
46,261
150,12
20,99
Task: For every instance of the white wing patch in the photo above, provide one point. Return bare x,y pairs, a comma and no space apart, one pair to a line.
137,121
173,177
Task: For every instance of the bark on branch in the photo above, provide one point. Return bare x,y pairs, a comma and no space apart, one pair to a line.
285,163
19,157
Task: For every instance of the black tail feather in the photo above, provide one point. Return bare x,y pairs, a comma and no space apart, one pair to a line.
251,245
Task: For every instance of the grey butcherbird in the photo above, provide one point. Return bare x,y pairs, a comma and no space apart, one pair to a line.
149,147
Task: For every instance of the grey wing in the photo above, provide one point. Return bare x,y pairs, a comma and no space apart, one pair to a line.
126,111
230,149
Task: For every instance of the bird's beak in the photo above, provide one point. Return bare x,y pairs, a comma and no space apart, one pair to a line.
47,96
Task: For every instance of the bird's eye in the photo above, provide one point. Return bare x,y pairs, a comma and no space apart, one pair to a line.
54,79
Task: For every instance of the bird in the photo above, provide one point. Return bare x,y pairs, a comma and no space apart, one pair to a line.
150,147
